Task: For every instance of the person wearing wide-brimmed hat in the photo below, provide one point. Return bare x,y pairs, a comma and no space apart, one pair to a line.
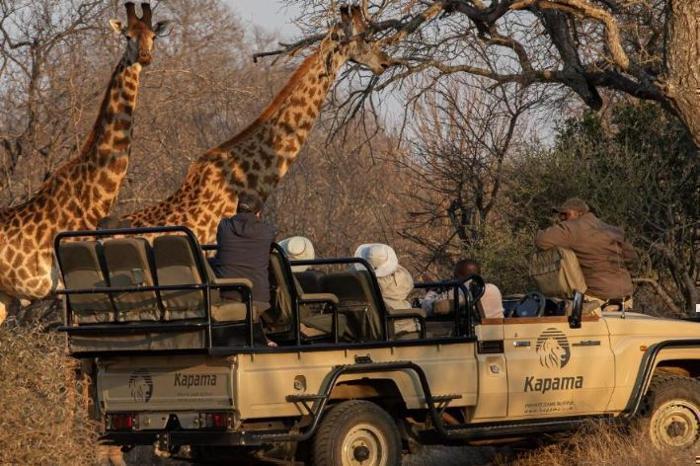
298,248
601,250
395,282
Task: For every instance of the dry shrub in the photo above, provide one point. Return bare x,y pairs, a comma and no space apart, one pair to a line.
605,444
44,408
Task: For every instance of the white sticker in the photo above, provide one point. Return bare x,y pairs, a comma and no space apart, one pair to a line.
697,308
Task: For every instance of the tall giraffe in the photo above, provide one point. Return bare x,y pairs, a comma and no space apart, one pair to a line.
82,190
260,155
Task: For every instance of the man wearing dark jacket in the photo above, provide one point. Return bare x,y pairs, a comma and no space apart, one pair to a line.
243,249
600,248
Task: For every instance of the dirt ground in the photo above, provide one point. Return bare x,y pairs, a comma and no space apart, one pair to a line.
427,456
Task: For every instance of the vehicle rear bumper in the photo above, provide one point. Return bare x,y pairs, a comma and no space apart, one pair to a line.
185,437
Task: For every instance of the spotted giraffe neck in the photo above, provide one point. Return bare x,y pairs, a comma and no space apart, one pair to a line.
74,197
255,159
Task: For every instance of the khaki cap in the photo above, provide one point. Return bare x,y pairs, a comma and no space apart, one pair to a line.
573,203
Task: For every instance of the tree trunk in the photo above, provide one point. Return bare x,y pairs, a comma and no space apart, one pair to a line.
683,63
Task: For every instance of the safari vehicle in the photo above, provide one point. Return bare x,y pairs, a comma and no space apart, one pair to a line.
352,382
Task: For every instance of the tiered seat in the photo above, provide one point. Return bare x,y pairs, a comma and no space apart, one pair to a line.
364,310
81,268
128,265
176,265
313,324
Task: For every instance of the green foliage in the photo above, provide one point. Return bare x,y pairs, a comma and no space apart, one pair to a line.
637,168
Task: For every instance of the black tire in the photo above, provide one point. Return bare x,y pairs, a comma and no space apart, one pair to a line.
671,412
357,433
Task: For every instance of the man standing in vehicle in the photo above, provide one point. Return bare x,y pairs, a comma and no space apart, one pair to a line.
243,250
600,248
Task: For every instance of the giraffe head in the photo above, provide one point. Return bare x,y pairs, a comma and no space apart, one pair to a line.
349,37
139,33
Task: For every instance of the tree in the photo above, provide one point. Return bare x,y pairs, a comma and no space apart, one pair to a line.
637,168
461,138
642,48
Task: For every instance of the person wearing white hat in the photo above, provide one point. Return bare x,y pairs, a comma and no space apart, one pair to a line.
298,248
381,257
395,282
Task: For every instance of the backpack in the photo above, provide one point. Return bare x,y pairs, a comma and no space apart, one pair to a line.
557,273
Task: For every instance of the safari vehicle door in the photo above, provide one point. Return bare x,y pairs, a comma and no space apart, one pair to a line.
556,370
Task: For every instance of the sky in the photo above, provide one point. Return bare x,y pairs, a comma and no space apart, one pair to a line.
273,15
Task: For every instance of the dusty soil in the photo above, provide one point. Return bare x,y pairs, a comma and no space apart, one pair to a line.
428,456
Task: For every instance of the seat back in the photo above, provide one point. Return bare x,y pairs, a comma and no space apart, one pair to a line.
128,265
357,302
80,266
310,280
280,315
175,265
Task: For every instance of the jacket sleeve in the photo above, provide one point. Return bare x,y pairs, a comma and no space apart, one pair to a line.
629,254
555,236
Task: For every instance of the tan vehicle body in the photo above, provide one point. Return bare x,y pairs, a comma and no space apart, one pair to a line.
598,376
352,381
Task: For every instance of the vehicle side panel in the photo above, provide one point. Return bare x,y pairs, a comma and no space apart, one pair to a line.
265,380
632,337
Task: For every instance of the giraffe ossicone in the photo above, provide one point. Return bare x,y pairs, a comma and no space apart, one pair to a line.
259,156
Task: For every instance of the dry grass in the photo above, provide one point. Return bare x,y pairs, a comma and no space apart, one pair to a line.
44,418
605,445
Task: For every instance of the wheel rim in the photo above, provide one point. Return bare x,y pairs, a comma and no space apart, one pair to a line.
675,424
364,445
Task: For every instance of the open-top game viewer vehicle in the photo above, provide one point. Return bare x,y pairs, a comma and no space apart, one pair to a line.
352,381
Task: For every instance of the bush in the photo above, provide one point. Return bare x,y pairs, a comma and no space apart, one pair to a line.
605,444
44,407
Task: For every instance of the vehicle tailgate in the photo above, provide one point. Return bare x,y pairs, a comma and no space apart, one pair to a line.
169,383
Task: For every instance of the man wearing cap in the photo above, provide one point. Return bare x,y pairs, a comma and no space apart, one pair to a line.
600,248
243,250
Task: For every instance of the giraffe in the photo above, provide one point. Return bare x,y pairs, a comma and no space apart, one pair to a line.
260,155
82,190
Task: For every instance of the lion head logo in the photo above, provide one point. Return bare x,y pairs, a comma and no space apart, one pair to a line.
141,386
553,349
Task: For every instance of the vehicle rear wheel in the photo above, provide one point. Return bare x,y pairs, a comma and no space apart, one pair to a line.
672,411
357,433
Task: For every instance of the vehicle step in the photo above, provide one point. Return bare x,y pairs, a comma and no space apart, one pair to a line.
304,397
450,397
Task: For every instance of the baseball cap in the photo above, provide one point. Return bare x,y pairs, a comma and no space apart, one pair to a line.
573,203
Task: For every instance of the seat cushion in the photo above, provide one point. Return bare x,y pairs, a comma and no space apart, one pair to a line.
323,325
228,311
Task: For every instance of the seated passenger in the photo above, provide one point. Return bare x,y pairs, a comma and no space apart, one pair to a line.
298,248
491,303
395,282
441,302
243,251
601,250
